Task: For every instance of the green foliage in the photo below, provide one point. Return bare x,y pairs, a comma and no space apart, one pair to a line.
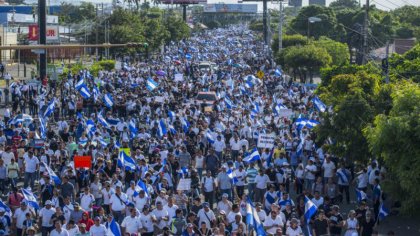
338,51
327,27
306,59
406,66
395,139
106,64
344,4
70,13
176,26
288,41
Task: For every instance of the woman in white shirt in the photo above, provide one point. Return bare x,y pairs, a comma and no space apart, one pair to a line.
294,229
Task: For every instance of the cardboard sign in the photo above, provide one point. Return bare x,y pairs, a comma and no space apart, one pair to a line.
37,143
82,162
184,185
266,140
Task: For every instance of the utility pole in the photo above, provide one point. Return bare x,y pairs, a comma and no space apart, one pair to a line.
265,23
385,64
42,24
97,33
281,26
365,49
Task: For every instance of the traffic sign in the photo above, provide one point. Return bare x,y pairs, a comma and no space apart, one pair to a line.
260,74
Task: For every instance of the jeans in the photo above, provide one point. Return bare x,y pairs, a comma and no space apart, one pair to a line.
46,230
118,216
240,191
29,177
259,194
251,188
344,188
309,183
13,181
209,197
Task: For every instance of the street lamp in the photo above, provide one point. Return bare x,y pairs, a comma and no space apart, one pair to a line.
312,20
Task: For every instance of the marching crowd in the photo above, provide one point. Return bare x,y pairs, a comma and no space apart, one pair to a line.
239,160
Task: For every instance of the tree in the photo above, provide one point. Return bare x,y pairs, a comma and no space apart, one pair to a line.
75,14
327,27
288,41
353,99
352,4
306,60
176,26
395,139
338,51
406,66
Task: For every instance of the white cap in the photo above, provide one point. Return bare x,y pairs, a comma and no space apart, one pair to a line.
48,202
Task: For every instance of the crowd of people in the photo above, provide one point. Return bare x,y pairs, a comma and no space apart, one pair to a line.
161,161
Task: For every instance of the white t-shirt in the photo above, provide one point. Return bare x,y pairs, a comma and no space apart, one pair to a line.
98,230
202,217
118,204
132,225
240,175
309,174
159,214
46,215
20,217
269,222
146,221
262,181
294,232
31,163
328,169
362,180
140,202
208,183
107,195
7,157
86,200
62,233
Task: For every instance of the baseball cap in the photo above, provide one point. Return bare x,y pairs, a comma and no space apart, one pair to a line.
48,202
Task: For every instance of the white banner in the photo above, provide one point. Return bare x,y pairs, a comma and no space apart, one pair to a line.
184,185
266,140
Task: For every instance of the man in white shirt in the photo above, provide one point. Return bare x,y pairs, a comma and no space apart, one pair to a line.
310,171
31,165
206,215
45,215
7,156
171,208
19,216
329,168
240,174
140,200
107,193
272,223
98,229
59,231
224,205
162,216
132,224
235,146
261,181
117,203
219,146
87,200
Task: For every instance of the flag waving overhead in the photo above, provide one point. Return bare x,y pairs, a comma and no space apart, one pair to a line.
50,108
141,186
52,174
30,198
319,104
151,84
310,209
253,220
254,156
162,129
84,91
108,100
114,228
126,161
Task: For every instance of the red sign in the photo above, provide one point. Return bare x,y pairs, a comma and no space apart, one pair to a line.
82,162
33,32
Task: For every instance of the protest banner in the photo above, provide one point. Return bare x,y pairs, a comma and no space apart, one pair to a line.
266,140
184,185
82,162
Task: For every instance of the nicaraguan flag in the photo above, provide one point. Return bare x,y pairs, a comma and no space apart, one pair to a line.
254,156
231,174
90,128
188,56
277,72
229,103
42,127
185,124
96,93
52,174
79,84
319,104
141,186
112,121
114,228
172,129
103,142
132,128
253,220
312,123
84,91
383,212
278,108
162,128
151,84
6,208
209,137
108,100
50,108
310,209
172,115
30,198
249,84
361,195
126,161
103,121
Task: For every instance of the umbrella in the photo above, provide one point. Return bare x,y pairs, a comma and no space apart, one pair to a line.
160,73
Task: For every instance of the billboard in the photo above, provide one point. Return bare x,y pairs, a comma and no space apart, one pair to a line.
231,8
52,32
183,1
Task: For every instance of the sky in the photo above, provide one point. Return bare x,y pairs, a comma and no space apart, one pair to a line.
381,4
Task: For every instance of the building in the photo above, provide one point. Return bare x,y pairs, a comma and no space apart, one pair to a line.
295,3
318,2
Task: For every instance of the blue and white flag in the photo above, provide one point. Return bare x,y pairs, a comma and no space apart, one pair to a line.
185,124
30,198
113,121
6,208
229,104
277,109
172,129
249,84
253,220
209,137
108,100
361,195
383,212
42,127
103,142
254,156
310,209
79,84
172,115
231,174
52,174
278,72
162,128
114,228
126,161
84,91
188,56
103,121
96,93
90,128
151,84
50,108
319,104
132,128
141,186
299,149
